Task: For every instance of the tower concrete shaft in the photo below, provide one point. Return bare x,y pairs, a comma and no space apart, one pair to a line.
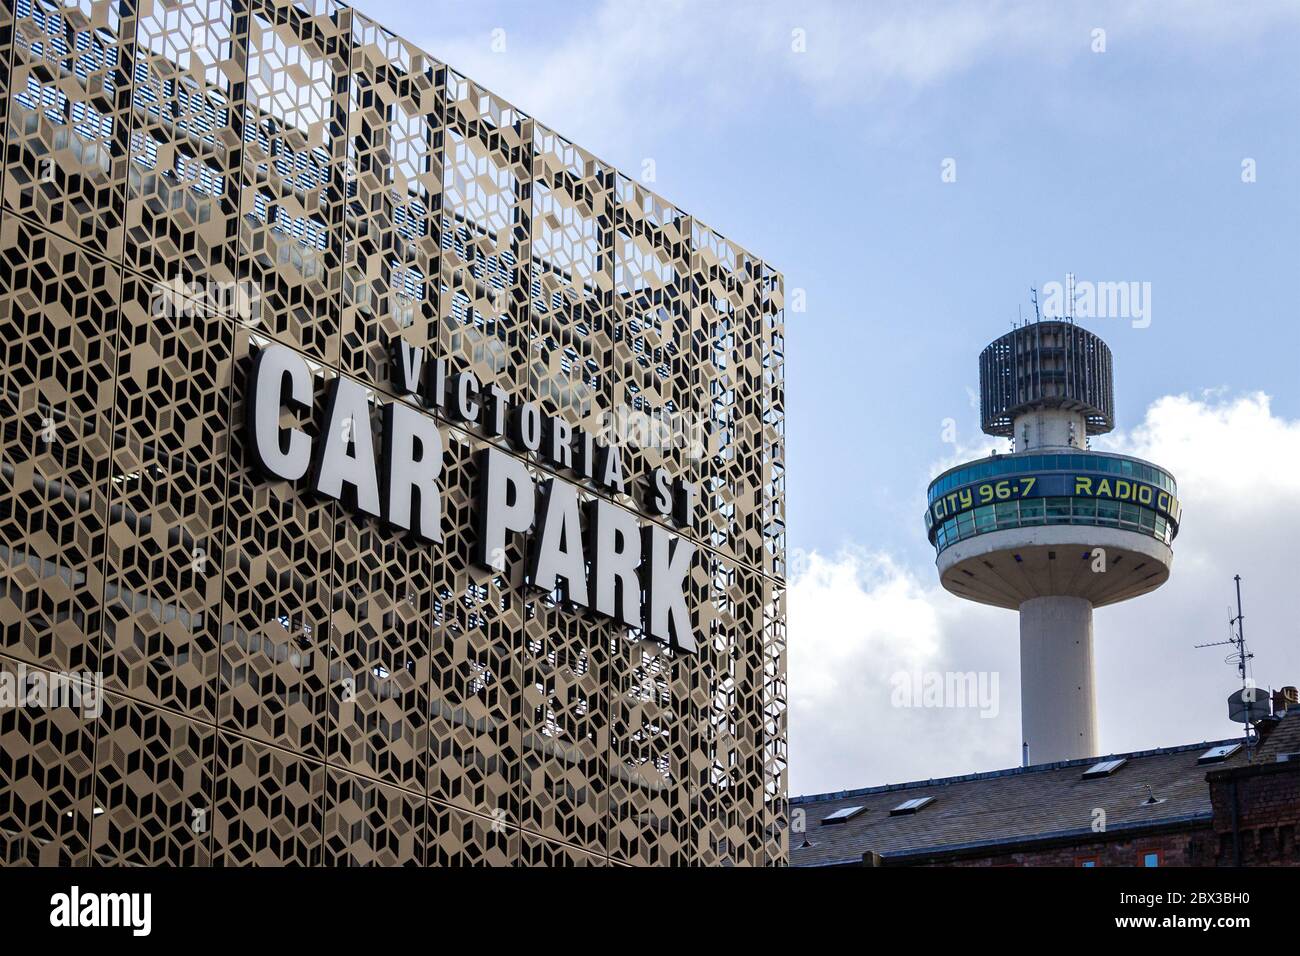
1050,428
1058,701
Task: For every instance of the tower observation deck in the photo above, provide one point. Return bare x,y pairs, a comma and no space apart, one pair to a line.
1052,529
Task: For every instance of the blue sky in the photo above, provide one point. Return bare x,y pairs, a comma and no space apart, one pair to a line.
1117,165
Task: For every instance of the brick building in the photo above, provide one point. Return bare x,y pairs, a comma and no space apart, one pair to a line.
1257,804
1204,804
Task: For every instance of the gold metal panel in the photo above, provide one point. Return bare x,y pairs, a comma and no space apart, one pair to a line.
6,54
58,326
728,322
648,806
564,725
54,487
458,838
153,787
47,764
370,824
571,369
476,659
538,851
394,183
162,589
69,104
267,806
484,274
187,115
379,651
293,177
653,326
307,684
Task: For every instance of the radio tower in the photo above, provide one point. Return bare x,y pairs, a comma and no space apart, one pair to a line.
1052,529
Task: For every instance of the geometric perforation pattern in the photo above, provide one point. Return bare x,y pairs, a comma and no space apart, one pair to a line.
287,681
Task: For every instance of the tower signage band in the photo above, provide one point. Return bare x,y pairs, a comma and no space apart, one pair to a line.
617,566
975,495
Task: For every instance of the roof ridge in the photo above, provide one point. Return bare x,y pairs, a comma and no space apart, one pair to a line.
1009,772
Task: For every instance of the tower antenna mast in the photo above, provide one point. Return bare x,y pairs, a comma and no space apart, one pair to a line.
1241,658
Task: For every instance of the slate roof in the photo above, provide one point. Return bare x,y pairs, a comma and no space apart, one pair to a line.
1013,806
1283,739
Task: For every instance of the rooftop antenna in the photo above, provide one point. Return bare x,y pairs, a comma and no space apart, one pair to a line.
1241,658
1069,295
1033,294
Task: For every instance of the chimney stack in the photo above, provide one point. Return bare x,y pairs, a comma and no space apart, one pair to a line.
1285,698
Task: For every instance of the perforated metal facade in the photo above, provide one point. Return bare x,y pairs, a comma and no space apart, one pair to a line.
287,682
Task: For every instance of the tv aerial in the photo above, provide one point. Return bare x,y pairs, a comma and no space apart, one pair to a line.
1248,705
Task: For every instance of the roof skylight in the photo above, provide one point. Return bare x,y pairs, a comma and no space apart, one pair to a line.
842,814
911,806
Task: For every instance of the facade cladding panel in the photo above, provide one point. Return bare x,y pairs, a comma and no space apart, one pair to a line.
287,681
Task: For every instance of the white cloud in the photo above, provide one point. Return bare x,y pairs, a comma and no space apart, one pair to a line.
1228,453
858,617
1238,470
